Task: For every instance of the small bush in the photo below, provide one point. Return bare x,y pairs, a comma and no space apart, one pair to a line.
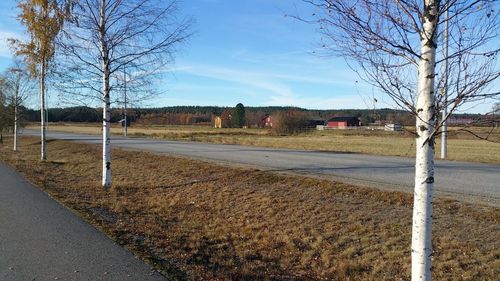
289,122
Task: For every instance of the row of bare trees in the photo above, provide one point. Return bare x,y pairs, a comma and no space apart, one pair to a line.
93,48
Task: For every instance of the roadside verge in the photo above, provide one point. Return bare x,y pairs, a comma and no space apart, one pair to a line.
200,220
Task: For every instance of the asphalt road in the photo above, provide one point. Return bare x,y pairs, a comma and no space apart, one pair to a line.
461,180
42,240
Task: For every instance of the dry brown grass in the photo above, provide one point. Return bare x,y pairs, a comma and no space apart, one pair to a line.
462,146
197,221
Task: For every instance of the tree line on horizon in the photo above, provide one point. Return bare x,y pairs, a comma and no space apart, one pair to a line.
204,115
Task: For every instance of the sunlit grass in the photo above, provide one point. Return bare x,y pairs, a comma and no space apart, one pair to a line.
462,146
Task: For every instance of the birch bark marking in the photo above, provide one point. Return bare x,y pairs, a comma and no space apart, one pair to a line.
106,141
421,246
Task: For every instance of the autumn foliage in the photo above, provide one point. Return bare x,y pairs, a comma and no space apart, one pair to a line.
289,122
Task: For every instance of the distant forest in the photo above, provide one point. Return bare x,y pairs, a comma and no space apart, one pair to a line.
204,115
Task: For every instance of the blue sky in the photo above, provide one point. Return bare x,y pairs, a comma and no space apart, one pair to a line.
247,51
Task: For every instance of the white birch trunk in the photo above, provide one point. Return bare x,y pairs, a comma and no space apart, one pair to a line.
43,156
421,246
106,140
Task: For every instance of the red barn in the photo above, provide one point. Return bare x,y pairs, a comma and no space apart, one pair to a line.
343,122
266,122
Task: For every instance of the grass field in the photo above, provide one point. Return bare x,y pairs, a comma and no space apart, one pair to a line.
199,221
462,146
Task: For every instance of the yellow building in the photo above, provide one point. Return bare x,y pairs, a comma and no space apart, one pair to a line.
218,122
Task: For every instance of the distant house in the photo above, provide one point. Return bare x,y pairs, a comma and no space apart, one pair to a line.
266,122
393,127
314,123
343,122
217,122
226,118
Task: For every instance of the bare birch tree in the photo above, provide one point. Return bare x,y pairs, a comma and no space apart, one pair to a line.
4,116
108,36
17,87
395,44
43,20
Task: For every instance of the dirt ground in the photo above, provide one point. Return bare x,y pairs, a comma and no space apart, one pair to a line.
199,221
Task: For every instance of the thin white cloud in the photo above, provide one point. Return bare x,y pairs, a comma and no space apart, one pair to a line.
213,91
252,79
176,68
316,103
275,88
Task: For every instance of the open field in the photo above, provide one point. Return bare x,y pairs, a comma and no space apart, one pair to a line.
462,146
195,220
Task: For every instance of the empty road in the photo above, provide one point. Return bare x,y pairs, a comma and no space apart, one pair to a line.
461,180
42,240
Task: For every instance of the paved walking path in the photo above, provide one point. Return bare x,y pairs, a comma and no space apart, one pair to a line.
42,240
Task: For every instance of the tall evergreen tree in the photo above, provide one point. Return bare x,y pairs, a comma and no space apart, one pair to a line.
238,119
